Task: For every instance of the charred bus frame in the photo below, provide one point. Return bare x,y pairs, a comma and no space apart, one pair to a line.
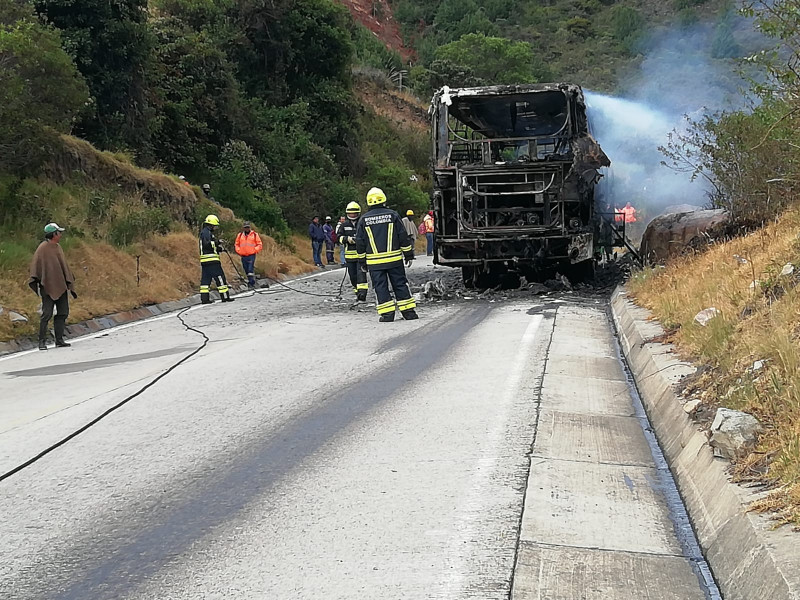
514,170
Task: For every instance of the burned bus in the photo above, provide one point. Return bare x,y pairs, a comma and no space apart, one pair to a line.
514,172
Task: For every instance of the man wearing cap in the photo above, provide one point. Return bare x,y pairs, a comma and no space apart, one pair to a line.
248,245
408,223
51,279
330,239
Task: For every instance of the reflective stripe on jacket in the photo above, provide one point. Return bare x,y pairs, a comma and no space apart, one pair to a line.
344,232
383,238
248,245
209,247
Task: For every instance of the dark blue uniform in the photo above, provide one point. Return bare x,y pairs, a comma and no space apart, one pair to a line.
382,239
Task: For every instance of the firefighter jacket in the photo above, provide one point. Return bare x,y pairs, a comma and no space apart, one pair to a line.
210,246
248,245
382,237
345,232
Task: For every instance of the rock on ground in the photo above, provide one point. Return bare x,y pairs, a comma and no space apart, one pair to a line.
15,317
733,433
672,234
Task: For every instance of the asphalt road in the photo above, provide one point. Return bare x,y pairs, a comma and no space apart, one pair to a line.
487,450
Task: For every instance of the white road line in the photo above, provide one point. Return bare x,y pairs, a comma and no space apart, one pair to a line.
472,509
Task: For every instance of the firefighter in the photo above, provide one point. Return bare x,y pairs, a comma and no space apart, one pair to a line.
384,242
346,236
210,248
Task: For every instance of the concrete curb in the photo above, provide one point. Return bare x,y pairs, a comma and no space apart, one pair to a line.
107,322
750,561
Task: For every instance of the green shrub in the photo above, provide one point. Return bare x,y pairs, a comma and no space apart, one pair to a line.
579,26
138,224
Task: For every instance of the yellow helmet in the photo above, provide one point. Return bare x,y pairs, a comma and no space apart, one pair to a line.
353,207
375,196
409,213
212,220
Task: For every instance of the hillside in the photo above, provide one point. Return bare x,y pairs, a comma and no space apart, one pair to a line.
114,212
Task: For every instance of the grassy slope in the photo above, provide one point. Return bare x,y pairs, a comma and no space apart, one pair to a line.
759,323
102,199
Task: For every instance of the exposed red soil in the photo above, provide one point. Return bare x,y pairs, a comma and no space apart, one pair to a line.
377,16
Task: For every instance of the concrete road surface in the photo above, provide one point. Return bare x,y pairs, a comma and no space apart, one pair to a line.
487,450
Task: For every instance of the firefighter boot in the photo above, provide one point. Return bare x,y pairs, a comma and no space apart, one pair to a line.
410,314
361,296
205,298
226,297
387,318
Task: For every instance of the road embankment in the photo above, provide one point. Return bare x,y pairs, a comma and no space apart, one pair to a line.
749,557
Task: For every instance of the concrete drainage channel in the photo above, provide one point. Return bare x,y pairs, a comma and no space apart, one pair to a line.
749,558
666,484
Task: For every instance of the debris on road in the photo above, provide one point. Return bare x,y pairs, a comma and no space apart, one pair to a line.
705,315
733,433
787,270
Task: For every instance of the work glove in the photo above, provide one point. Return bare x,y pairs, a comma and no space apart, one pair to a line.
409,261
74,294
34,285
363,266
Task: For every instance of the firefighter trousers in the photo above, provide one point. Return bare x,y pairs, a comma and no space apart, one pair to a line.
396,276
358,279
212,272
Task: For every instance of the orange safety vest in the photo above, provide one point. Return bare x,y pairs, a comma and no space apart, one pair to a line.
428,220
247,245
630,214
619,216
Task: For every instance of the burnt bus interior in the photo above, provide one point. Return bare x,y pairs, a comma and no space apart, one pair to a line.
507,185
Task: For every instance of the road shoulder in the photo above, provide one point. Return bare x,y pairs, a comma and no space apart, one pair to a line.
749,558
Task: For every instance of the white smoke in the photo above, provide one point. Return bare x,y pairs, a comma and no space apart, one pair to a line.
630,133
677,77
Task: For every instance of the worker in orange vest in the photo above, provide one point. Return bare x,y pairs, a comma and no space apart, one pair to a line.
429,229
248,245
629,213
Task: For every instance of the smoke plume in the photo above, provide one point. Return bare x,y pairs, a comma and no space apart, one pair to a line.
678,77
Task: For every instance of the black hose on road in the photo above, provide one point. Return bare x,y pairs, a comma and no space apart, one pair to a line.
150,384
120,404
337,295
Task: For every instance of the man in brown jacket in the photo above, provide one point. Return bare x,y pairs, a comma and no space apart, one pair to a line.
51,279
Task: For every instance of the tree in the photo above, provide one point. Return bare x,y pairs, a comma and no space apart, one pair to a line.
492,59
195,95
110,43
40,88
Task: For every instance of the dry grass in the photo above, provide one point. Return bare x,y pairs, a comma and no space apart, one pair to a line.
106,277
756,322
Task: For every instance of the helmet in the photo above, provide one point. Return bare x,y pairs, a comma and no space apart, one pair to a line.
328,218
409,213
212,220
206,187
375,196
353,207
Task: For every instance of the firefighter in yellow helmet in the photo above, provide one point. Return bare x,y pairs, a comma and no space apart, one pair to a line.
210,247
346,236
384,242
